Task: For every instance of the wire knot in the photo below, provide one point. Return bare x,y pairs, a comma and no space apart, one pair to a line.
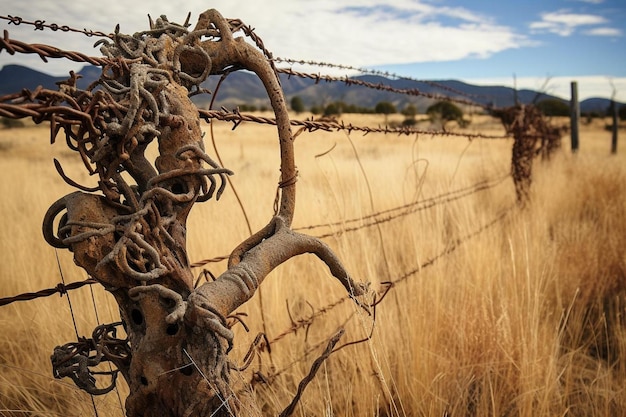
61,289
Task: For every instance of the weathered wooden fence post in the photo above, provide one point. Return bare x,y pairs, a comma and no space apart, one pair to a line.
129,232
574,116
614,128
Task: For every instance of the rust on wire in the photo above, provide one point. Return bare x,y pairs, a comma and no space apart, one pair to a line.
380,86
385,74
237,118
385,216
46,51
533,136
58,289
386,287
41,25
377,217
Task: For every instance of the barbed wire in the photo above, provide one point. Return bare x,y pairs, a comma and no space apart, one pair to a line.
385,74
60,288
389,285
41,25
409,208
404,210
236,117
379,86
46,51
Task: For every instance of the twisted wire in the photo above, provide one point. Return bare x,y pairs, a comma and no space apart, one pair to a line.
390,285
385,74
60,289
46,51
41,25
237,118
380,86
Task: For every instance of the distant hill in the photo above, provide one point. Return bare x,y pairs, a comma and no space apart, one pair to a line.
245,88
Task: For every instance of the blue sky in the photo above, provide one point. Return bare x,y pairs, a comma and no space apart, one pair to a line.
534,42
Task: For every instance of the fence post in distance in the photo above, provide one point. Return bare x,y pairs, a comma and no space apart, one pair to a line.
614,127
574,116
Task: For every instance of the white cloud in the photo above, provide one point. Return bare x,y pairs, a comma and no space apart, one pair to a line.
588,86
604,31
355,32
564,23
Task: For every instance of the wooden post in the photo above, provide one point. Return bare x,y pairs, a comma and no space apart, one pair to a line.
615,126
574,116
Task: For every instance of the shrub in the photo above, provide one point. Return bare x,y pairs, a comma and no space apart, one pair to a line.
297,104
332,110
385,107
445,111
553,107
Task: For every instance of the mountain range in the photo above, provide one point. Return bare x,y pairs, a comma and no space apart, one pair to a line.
244,88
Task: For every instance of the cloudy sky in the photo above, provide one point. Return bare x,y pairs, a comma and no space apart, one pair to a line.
535,42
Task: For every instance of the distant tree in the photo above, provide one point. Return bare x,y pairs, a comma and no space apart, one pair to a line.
297,104
316,110
332,110
444,112
386,108
622,112
554,107
409,113
352,108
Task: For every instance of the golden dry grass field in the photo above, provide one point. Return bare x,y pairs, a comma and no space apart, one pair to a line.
525,317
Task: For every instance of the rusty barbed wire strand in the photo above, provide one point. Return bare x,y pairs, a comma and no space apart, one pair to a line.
380,86
60,288
210,260
17,111
46,51
408,209
389,285
423,204
386,74
236,117
41,25
430,262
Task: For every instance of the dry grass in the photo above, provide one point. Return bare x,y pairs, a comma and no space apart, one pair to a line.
523,319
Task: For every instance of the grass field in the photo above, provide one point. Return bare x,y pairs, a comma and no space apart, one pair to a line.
524,318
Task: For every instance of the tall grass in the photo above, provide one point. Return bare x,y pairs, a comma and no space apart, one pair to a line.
524,318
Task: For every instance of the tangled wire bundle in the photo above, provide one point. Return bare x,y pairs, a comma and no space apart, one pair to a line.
532,136
129,231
